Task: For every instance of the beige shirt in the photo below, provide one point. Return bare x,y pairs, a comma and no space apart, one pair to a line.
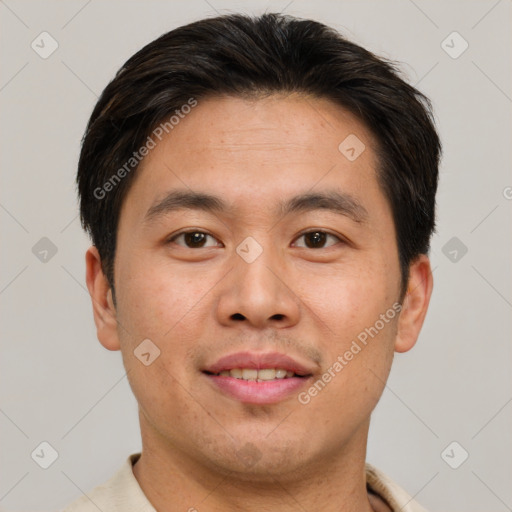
122,493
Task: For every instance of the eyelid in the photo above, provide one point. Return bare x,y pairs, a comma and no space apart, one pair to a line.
171,238
321,230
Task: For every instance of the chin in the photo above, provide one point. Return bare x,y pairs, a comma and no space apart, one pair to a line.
265,457
249,463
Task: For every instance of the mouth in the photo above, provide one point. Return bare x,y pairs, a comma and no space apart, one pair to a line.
257,375
258,378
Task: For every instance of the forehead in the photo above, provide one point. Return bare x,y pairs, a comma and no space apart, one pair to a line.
285,126
270,147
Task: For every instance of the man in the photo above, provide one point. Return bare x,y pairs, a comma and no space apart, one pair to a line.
260,193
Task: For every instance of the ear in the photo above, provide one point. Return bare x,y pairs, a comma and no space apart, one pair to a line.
102,303
415,304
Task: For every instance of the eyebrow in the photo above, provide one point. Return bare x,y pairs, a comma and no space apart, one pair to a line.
340,203
337,202
185,200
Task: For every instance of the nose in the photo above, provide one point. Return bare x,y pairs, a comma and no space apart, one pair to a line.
258,294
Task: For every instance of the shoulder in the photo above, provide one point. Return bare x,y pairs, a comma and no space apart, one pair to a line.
120,493
396,497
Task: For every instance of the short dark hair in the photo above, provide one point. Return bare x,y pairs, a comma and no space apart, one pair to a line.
245,56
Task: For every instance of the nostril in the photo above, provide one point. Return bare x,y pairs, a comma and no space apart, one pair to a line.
239,316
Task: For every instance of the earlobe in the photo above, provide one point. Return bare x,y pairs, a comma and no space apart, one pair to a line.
102,304
415,305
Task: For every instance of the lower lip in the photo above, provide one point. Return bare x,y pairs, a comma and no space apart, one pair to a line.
261,393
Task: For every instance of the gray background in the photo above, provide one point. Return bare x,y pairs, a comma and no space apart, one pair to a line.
59,385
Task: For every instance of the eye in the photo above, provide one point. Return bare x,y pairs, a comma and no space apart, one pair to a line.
317,239
193,239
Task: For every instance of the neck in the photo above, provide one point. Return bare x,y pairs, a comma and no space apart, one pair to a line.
174,481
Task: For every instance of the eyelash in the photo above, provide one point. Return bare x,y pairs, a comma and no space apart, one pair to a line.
177,235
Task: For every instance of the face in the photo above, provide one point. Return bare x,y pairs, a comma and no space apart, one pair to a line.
260,260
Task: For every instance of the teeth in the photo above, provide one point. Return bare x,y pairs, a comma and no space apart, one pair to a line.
257,375
269,374
236,373
249,374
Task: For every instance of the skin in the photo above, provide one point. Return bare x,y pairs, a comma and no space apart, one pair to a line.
198,304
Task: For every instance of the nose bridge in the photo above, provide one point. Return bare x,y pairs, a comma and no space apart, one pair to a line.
254,269
256,292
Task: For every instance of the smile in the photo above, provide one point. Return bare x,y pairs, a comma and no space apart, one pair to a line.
252,374
258,378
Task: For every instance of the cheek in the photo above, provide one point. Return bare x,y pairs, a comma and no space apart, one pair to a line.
348,298
359,327
155,297
159,304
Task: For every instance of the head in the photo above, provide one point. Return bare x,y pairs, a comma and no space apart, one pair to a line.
304,170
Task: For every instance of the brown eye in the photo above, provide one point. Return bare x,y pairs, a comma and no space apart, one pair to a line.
193,239
317,239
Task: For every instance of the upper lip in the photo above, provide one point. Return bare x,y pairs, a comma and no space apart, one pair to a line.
258,361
